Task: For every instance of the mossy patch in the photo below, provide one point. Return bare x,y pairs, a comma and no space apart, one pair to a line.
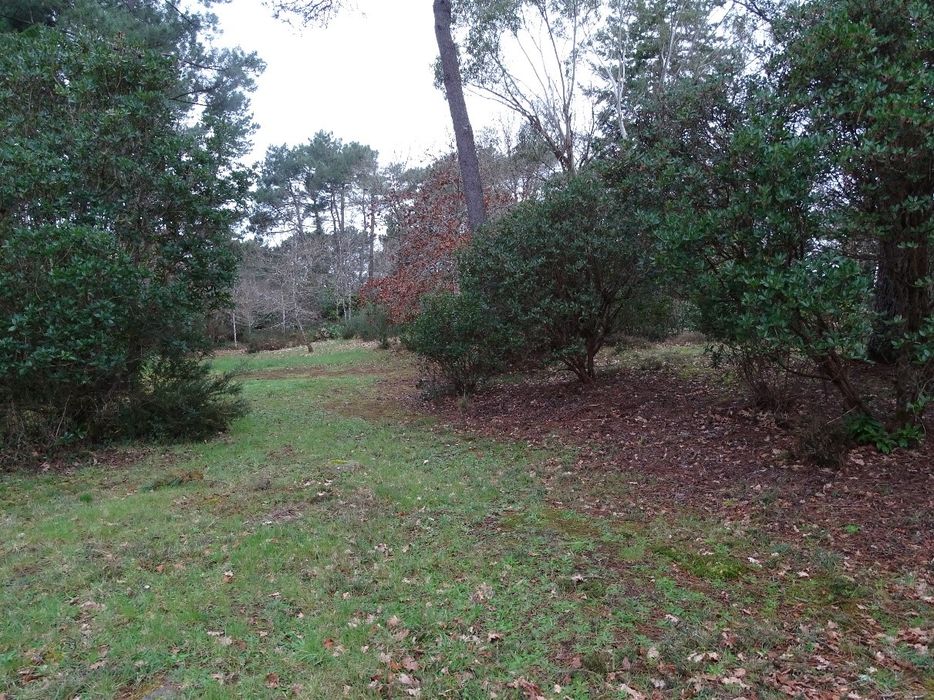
711,566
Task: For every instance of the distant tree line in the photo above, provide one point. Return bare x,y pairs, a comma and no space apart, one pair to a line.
331,232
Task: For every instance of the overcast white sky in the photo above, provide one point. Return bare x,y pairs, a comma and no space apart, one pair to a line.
366,77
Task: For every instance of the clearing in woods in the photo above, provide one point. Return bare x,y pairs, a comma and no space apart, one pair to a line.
344,541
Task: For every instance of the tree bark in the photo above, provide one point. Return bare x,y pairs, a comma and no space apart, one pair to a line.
907,264
835,370
463,132
881,347
371,255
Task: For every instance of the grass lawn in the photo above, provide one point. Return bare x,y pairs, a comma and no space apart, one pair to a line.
319,552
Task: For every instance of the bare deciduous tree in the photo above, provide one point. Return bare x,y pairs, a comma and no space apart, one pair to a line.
531,57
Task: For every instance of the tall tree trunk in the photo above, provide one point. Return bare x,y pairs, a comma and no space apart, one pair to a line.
299,216
836,372
882,342
371,256
909,267
463,132
319,226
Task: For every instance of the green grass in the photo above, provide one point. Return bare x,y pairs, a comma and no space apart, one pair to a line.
327,355
687,359
316,554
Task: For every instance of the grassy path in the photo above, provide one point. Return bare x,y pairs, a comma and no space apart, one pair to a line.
311,553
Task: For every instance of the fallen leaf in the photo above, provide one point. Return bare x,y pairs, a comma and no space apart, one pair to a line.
406,679
631,692
483,593
529,689
733,680
272,680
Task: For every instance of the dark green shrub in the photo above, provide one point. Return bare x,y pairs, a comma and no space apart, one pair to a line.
370,323
460,339
866,430
348,329
265,341
322,333
117,210
804,226
181,400
566,271
823,444
69,304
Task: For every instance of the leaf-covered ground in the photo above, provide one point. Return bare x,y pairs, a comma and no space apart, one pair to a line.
341,541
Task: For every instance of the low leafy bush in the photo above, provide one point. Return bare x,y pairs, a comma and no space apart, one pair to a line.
823,444
370,323
347,330
69,305
460,340
181,399
568,270
174,399
74,365
866,430
265,341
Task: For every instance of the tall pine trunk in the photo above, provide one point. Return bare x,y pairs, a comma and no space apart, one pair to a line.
463,132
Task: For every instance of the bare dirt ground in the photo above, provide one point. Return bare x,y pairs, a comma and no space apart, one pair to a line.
684,442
